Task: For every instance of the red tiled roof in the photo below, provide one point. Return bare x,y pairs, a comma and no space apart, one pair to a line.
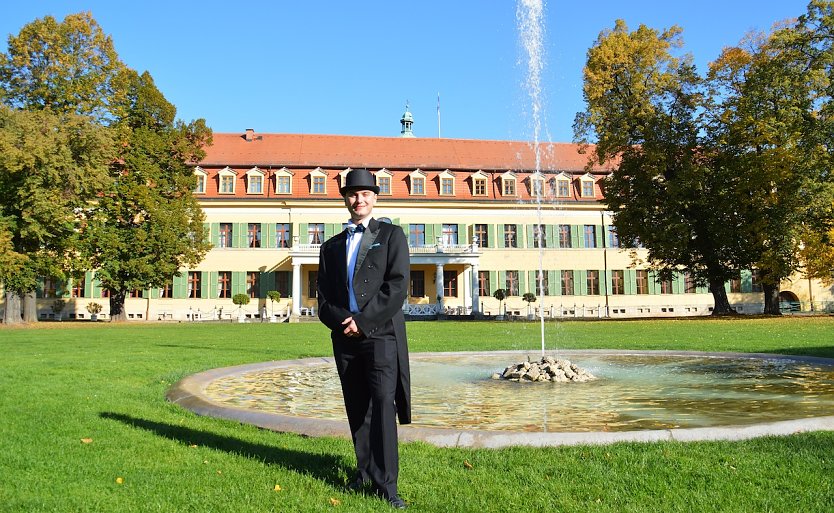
340,151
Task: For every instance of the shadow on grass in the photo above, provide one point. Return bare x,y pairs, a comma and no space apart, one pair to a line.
327,468
822,352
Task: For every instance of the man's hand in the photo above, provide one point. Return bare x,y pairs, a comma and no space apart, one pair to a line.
351,330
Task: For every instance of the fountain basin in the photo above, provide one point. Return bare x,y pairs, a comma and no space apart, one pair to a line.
639,396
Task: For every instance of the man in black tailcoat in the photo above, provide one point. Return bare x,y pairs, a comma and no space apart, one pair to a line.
362,284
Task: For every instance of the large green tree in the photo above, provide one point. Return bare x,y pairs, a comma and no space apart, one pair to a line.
52,167
148,225
643,106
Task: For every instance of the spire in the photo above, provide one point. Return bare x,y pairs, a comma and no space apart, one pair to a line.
406,121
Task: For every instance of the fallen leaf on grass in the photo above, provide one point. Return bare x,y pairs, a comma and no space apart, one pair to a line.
467,465
86,440
277,488
193,446
120,480
335,502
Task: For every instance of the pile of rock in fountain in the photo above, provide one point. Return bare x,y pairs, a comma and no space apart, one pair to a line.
546,369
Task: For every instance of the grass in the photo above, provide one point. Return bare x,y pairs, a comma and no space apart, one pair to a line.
61,383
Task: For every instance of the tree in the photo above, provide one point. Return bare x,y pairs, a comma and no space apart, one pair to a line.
240,300
274,296
500,295
148,225
69,67
665,193
52,166
530,298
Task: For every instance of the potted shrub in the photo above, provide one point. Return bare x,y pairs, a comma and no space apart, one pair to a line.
240,300
94,309
58,307
530,298
274,296
500,295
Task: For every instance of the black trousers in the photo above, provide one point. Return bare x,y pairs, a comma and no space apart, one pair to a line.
368,373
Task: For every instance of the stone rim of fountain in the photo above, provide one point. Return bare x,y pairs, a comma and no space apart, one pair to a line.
189,393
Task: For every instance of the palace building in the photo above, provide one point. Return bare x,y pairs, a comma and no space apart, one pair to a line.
477,214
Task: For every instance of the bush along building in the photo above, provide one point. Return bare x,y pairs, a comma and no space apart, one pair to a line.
478,216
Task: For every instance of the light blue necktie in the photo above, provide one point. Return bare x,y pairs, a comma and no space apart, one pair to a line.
354,238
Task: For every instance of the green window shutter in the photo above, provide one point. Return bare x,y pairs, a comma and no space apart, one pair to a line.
215,234
493,282
522,283
580,283
551,283
96,292
556,283
603,282
181,285
266,282
437,230
211,285
552,235
303,238
654,287
533,283
727,286
241,235
678,284
502,280
630,281
600,235
463,236
88,284
267,235
205,283
529,243
491,242
238,282
746,281
499,236
576,241
146,293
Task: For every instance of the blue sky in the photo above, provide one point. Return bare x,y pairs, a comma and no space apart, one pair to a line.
348,67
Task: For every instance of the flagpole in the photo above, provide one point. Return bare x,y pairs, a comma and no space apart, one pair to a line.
438,115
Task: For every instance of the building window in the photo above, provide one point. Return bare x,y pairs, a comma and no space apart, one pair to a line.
315,233
593,283
735,284
613,238
282,235
483,283
253,283
384,183
312,284
618,282
167,291
567,283
481,233
564,236
539,236
194,287
587,188
418,185
542,284
105,293
416,235
450,235
49,288
479,187
77,288
254,235
665,286
418,284
135,293
450,284
282,282
508,186
200,188
689,284
642,281
224,284
225,240
755,281
283,184
562,188
256,184
319,185
227,184
510,238
536,187
512,283
447,186
590,236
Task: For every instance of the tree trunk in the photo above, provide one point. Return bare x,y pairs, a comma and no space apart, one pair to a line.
117,306
30,307
11,314
719,296
771,299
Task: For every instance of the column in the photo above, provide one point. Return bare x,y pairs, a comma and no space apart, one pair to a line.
296,289
467,290
476,290
438,284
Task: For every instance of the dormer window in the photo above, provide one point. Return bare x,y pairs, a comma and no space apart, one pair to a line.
587,182
383,180
562,186
447,183
479,184
537,185
508,182
202,178
254,181
318,181
283,181
343,176
418,183
227,179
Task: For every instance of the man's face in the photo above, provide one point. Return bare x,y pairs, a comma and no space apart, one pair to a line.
360,204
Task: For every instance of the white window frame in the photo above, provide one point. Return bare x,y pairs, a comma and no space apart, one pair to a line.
318,173
384,173
202,180
584,180
283,173
254,172
413,176
506,178
226,172
446,175
480,176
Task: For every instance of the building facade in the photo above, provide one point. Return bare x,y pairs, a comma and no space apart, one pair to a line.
478,215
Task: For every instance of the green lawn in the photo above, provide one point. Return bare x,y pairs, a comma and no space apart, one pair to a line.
61,383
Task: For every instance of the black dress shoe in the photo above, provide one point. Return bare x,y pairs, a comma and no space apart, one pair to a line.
357,484
396,502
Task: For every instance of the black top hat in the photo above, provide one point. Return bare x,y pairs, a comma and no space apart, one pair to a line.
359,179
